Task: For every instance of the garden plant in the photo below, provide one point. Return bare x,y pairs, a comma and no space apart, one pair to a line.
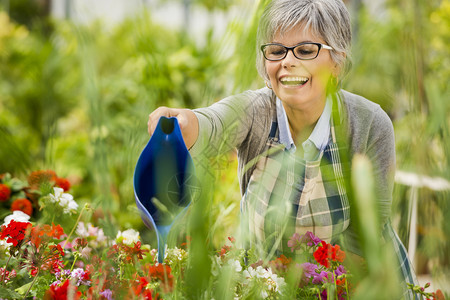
75,98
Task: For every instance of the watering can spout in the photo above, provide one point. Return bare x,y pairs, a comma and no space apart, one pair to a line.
164,180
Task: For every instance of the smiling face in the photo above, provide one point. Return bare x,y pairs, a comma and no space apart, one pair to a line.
300,84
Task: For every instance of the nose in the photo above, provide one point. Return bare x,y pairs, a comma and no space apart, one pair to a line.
290,60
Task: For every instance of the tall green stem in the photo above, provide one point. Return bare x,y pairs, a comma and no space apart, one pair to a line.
86,207
73,264
335,285
32,283
346,288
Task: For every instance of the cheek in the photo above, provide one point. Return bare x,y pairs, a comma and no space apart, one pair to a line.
270,69
323,73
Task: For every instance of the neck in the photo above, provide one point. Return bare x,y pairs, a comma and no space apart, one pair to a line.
302,122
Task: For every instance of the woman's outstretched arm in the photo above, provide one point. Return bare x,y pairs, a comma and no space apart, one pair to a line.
186,119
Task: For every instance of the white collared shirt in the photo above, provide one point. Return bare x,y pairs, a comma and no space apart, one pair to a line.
318,139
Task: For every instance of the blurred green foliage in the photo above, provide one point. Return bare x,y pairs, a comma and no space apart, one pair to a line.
77,98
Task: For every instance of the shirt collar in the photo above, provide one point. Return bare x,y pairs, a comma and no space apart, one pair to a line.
320,134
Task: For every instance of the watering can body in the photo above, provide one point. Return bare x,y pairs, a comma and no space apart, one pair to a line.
164,180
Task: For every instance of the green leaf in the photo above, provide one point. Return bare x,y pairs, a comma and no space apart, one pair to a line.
6,293
16,184
24,288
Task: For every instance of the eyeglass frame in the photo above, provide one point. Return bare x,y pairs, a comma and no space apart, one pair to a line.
292,49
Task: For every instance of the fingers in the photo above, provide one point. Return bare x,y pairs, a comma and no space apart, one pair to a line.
153,118
163,111
182,120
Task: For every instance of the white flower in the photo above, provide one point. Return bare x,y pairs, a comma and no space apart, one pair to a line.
65,200
271,282
275,283
280,284
262,273
129,236
86,252
79,274
250,272
18,216
173,255
216,265
4,245
235,264
92,232
81,230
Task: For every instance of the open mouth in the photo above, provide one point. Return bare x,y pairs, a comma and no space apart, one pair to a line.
294,81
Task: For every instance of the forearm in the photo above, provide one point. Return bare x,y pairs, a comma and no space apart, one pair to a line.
190,135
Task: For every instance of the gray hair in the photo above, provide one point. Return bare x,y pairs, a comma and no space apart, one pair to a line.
327,19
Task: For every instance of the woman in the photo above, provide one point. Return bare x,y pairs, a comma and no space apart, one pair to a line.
296,137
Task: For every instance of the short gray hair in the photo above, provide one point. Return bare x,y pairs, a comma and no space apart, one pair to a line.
327,19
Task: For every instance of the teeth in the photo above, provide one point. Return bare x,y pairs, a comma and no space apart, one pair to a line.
298,80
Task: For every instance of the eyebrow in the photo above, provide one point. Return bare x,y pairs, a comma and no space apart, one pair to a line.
307,41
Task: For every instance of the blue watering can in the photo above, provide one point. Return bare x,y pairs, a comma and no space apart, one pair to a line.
164,180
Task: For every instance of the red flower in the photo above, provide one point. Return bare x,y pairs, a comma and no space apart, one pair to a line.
139,285
60,292
57,249
22,204
438,295
6,275
139,288
131,253
280,264
5,192
45,232
326,253
337,254
340,281
186,244
56,231
15,232
36,178
162,273
80,243
225,249
321,255
62,183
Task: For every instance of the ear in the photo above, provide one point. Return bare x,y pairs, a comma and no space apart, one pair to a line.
336,70
338,67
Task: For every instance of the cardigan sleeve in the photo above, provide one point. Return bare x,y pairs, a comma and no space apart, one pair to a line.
371,133
381,152
223,126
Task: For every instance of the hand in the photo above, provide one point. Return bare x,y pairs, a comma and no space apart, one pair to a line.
186,119
167,112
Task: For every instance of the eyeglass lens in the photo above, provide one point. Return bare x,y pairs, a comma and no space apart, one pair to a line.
303,51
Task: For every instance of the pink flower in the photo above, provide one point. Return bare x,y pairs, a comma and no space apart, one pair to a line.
340,270
7,275
107,294
311,239
297,240
309,269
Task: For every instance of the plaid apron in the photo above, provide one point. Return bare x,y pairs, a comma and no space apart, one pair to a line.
287,194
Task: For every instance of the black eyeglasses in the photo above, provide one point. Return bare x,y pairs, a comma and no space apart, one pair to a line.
303,51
